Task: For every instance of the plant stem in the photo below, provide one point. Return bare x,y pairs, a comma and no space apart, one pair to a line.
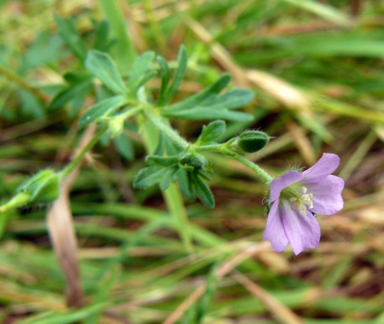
167,130
172,195
71,166
22,83
254,167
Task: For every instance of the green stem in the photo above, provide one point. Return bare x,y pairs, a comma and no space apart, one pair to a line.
254,167
205,148
172,195
77,160
166,129
22,83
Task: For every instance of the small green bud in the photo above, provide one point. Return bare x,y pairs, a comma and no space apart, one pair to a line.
252,141
115,126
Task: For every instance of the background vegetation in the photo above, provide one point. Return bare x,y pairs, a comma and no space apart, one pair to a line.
316,69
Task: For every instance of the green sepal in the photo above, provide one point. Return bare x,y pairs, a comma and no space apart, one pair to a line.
211,132
103,67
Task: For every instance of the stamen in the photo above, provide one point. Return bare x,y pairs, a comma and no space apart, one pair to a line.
304,201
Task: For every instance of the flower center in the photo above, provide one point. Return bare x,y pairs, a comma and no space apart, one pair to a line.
302,202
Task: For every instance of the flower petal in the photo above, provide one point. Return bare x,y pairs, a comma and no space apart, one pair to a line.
323,168
274,231
282,182
303,231
327,198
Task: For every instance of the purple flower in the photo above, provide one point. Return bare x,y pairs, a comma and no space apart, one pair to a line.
295,197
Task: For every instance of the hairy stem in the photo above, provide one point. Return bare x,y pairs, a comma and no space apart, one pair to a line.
254,167
77,160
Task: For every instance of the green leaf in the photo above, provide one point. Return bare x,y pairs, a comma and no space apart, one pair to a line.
147,177
167,178
124,51
42,187
182,60
102,41
140,67
74,93
124,146
206,298
204,113
161,146
68,32
164,68
203,191
322,10
212,131
164,161
31,106
102,66
198,99
186,187
46,49
210,105
102,109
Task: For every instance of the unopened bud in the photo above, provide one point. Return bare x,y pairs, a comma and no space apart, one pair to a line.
116,126
252,141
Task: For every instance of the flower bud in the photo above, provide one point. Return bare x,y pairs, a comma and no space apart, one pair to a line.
252,141
116,126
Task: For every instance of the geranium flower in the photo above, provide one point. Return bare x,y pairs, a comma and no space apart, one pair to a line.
296,197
